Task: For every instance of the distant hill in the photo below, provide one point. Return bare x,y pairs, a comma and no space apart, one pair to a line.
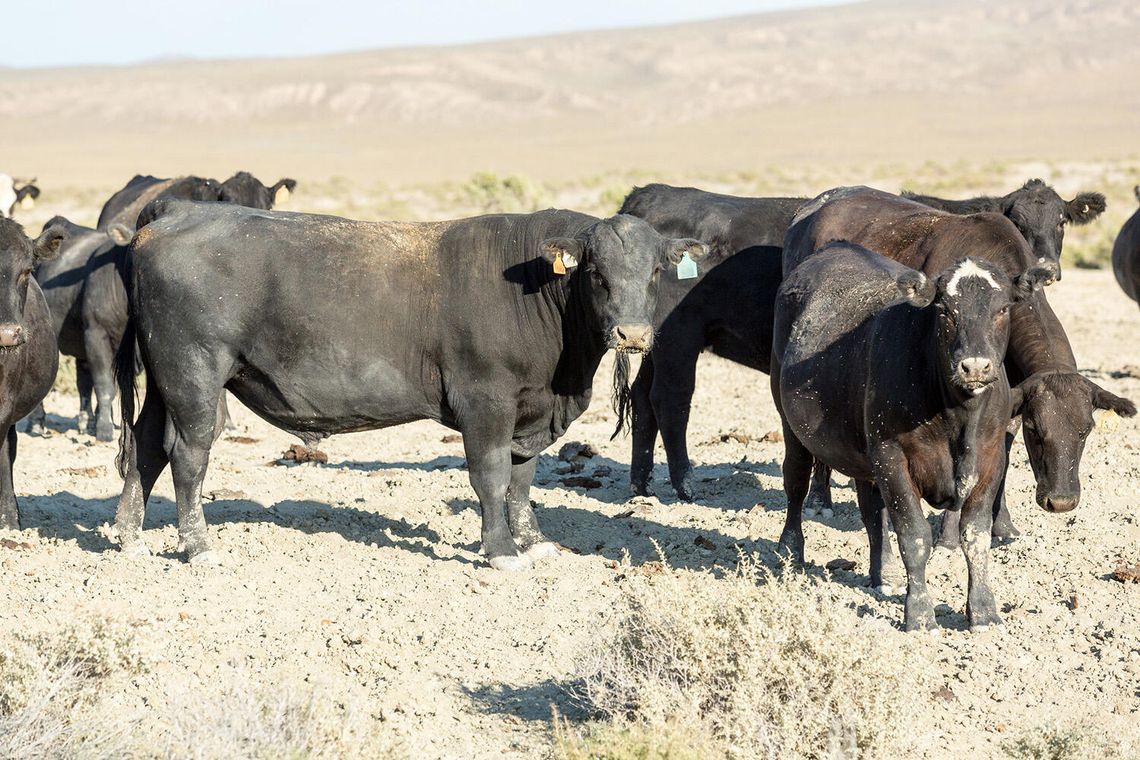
885,80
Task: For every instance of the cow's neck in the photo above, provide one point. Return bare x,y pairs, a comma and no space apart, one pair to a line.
962,413
1037,341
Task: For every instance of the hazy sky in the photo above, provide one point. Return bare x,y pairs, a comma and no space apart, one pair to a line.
66,32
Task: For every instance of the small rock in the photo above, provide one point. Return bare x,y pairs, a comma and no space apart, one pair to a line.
1127,573
241,439
704,543
452,438
575,451
225,494
773,436
582,481
841,564
299,454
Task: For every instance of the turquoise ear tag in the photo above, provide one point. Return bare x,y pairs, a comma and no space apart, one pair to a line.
686,268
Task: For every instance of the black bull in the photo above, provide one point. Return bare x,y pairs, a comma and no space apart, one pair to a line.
493,326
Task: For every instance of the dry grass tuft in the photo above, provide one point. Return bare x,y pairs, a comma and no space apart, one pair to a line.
1054,741
69,695
764,666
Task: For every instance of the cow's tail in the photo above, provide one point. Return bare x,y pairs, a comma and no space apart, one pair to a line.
126,360
622,395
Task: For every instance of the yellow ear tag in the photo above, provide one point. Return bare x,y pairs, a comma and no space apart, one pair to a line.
559,267
27,202
1107,420
281,196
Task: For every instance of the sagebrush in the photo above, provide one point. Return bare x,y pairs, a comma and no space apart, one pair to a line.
766,665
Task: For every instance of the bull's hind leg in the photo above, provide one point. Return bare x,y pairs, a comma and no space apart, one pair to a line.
85,385
9,509
797,471
874,513
644,429
487,428
819,495
520,513
101,357
146,461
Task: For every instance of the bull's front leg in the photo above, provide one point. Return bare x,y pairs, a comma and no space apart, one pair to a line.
915,540
644,429
487,428
975,529
9,509
520,514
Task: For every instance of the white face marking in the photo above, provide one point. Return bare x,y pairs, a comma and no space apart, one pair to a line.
969,269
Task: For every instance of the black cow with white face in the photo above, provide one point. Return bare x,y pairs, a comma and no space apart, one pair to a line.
898,382
1038,212
28,355
493,326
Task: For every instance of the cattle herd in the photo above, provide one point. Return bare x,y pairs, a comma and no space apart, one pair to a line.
906,338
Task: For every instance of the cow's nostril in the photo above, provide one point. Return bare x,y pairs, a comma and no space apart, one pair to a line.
11,335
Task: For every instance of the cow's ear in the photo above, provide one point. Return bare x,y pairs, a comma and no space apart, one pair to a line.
120,234
282,190
1028,283
47,245
916,288
675,250
1084,208
563,253
1102,399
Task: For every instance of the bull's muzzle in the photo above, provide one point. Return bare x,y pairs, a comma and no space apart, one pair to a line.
631,338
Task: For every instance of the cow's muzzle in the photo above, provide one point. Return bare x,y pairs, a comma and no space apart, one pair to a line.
1058,502
12,336
975,373
631,338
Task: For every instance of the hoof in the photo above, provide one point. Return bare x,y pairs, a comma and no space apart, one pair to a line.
106,436
827,513
135,549
510,563
208,557
541,551
36,430
810,511
640,490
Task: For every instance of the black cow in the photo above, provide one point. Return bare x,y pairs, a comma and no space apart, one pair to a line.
908,399
1055,401
28,355
1126,255
62,280
728,311
14,193
243,189
1039,214
124,206
493,326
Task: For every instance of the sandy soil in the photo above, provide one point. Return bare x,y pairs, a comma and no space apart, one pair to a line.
363,573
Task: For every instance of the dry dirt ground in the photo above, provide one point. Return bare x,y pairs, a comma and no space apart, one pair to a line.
362,574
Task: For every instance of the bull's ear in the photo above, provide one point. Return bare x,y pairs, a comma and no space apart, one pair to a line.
47,245
120,234
1028,283
916,288
1102,399
675,250
562,253
282,190
1084,208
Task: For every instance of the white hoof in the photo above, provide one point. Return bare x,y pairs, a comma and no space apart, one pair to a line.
541,551
137,549
512,564
207,558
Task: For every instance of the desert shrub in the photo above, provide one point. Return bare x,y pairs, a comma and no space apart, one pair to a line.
1054,741
63,695
766,666
490,193
631,741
